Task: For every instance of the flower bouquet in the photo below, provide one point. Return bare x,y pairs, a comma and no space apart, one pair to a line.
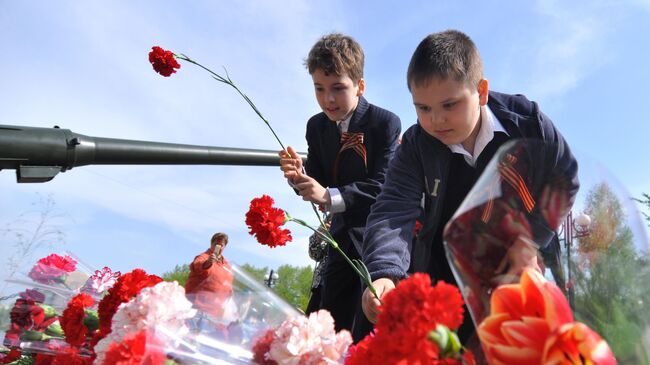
566,305
137,318
61,276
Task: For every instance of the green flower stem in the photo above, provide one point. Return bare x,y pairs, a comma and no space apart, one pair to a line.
226,80
48,310
365,276
447,341
55,330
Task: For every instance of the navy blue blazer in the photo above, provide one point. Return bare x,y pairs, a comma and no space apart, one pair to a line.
359,186
418,163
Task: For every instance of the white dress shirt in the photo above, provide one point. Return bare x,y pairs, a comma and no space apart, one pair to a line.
489,125
338,204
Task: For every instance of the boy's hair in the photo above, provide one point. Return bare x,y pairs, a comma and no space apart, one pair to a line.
336,54
445,54
217,236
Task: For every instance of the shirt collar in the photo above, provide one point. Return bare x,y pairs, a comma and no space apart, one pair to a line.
489,125
344,124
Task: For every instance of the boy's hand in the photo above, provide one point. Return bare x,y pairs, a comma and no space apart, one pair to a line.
290,164
521,255
312,191
370,305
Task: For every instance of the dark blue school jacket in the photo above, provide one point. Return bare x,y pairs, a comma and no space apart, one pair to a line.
359,185
418,162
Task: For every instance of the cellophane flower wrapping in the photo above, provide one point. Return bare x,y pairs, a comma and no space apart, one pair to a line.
106,317
571,305
33,302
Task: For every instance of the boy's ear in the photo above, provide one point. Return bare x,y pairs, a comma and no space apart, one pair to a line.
483,92
362,87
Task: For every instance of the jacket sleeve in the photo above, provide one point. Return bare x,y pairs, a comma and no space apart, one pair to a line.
313,167
560,177
363,193
389,229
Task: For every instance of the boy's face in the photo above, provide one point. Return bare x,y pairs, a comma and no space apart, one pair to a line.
337,95
449,110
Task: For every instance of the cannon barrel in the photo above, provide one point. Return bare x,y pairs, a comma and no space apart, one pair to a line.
38,154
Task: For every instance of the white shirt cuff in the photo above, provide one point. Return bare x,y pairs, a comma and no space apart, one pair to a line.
338,205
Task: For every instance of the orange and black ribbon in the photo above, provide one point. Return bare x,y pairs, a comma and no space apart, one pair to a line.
512,177
354,141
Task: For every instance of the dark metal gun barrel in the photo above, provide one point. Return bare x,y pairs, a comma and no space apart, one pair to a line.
34,151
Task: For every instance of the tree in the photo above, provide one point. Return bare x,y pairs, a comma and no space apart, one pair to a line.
294,285
257,273
611,276
180,273
645,201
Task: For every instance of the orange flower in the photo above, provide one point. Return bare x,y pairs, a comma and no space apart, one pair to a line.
576,343
522,317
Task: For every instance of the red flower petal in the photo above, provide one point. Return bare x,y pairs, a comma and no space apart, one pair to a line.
545,298
136,349
576,343
72,320
264,222
163,61
126,288
409,313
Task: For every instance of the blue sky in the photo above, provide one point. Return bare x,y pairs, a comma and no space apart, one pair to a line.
83,66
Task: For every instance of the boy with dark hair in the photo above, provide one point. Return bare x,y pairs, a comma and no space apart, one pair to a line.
460,127
349,145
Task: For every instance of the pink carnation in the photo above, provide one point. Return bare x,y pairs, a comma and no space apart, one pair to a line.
309,341
100,281
161,306
52,269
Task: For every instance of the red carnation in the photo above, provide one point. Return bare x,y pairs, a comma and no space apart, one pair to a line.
29,315
11,356
262,347
360,353
163,61
72,320
12,336
264,222
140,348
409,312
416,305
51,269
125,289
33,294
64,356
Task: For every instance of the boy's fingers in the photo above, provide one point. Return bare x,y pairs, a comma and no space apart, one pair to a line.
287,168
291,152
295,156
369,306
287,162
